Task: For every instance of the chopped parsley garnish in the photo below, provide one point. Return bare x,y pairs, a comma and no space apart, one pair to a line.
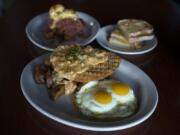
73,52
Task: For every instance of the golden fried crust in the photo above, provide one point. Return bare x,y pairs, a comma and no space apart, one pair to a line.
100,71
87,63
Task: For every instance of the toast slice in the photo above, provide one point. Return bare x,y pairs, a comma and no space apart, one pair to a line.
135,28
118,39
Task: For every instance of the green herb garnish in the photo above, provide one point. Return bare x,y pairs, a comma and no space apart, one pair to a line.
73,52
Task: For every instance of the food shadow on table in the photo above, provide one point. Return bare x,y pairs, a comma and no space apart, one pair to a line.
52,127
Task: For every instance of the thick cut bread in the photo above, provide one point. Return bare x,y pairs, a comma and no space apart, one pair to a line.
134,28
131,33
118,43
118,39
117,34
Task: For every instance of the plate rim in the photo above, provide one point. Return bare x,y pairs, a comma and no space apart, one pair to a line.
123,52
81,125
51,49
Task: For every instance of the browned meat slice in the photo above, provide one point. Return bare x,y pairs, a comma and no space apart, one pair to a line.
56,91
70,28
39,73
49,79
48,65
48,33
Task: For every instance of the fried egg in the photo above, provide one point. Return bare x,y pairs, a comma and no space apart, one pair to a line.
120,91
93,99
106,99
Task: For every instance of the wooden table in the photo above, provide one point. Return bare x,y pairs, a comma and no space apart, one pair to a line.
162,65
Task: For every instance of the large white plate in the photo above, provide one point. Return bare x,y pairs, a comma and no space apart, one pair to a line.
36,27
65,112
102,39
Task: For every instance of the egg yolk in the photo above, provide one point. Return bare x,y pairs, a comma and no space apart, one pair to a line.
103,97
120,89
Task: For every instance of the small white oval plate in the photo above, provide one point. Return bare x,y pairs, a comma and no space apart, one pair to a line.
64,111
36,27
102,39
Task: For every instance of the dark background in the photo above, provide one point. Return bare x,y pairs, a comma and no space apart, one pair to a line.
17,117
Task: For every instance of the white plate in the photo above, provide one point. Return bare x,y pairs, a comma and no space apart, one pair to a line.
102,39
65,112
35,31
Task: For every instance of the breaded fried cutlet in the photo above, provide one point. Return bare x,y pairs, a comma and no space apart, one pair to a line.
83,64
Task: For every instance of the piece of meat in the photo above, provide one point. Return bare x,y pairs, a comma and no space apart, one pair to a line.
40,73
56,91
49,79
48,33
70,28
47,62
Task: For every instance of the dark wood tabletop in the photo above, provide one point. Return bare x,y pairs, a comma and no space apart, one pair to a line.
162,64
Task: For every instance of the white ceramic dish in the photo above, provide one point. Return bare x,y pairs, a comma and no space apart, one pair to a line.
102,39
63,110
36,27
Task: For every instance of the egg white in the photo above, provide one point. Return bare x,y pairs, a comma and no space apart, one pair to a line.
125,99
120,106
